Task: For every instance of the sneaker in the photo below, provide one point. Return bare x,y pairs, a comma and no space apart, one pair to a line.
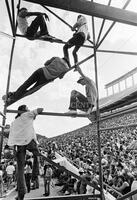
72,112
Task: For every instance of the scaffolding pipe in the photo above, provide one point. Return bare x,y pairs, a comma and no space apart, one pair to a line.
97,112
8,80
118,52
59,41
53,114
102,26
111,26
9,13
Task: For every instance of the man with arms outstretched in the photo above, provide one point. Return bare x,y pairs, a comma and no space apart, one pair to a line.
78,100
22,135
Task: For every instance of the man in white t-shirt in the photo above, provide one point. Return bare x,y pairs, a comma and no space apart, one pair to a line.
23,136
10,169
78,38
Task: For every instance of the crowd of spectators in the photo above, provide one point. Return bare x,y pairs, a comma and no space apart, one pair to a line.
80,147
118,162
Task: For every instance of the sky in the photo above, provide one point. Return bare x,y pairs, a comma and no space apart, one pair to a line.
31,55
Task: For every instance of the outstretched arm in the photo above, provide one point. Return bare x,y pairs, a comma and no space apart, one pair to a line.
80,71
37,14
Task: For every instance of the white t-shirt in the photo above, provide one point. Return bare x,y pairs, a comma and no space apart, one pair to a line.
22,24
10,169
22,130
82,26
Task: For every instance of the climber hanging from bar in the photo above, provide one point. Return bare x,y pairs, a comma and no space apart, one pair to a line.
54,68
32,31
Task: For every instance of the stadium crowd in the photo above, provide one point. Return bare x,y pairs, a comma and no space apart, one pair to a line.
118,162
80,147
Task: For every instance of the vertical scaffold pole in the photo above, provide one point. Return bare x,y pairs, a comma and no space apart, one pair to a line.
97,111
8,80
7,89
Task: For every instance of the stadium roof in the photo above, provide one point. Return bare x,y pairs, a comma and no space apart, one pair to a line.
118,100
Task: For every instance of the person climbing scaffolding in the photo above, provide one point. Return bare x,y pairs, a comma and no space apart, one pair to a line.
32,30
54,68
78,100
78,39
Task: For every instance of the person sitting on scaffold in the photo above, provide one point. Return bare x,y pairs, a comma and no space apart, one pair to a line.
54,68
78,100
31,31
78,38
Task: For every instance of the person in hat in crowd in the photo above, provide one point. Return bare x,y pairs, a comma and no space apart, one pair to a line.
79,37
22,135
78,100
54,68
31,30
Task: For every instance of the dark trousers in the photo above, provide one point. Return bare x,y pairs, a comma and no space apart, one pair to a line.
77,40
21,153
37,78
78,101
47,185
28,181
37,23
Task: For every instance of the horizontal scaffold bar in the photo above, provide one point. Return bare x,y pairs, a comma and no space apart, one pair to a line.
92,9
6,35
52,41
54,114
